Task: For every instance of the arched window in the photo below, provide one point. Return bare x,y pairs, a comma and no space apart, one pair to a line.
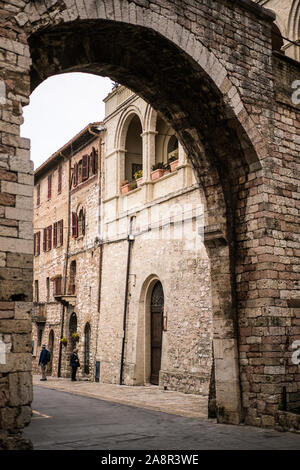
87,345
81,223
134,149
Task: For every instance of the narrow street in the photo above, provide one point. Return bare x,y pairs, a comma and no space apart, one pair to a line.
64,421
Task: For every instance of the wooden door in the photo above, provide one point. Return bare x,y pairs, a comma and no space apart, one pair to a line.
157,308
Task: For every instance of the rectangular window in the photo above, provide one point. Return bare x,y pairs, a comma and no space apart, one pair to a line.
58,286
49,186
36,290
59,182
55,235
49,238
75,174
74,225
38,194
61,232
85,167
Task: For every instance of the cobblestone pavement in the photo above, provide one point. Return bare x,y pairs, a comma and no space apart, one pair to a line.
68,421
148,397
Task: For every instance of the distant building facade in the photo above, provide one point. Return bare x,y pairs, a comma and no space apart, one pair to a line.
118,244
288,23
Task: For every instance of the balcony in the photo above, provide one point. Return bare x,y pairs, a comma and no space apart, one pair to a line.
67,298
39,312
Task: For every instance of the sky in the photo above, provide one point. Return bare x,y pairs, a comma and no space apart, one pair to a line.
61,107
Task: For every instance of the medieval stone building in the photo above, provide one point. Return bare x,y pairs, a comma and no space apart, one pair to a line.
221,82
123,271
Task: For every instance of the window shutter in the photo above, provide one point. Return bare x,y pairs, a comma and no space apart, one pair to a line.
34,244
93,161
38,243
45,239
38,194
59,179
50,237
49,186
54,234
75,179
61,234
74,225
85,167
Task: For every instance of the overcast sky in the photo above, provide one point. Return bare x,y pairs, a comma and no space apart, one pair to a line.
59,108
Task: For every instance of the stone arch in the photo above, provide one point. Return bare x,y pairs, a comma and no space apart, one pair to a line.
208,115
124,123
294,25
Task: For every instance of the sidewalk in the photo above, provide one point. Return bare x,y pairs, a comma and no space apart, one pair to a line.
147,397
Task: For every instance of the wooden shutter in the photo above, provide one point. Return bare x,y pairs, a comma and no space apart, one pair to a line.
75,173
38,194
49,237
34,244
85,167
49,186
45,240
93,161
38,243
59,179
61,234
74,225
54,234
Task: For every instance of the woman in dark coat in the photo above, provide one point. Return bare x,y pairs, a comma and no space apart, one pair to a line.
74,363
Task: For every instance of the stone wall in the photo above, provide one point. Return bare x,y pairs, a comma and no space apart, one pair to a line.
16,245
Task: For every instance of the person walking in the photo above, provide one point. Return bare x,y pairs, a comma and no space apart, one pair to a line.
43,361
74,363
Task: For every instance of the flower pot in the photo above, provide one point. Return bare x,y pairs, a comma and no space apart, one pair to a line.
156,174
125,189
166,172
174,165
139,181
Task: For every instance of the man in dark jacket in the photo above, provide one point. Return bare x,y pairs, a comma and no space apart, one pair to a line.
43,361
74,363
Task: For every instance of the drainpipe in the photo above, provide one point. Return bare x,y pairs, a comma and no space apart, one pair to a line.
65,270
130,243
100,129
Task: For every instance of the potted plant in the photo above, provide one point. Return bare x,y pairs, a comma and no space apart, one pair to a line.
157,171
125,187
64,341
173,162
138,176
132,185
167,169
75,336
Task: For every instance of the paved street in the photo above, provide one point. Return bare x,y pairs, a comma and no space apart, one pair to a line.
64,421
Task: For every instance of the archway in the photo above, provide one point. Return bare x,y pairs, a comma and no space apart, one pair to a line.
156,315
210,122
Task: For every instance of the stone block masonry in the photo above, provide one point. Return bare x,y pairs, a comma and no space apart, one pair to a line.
241,137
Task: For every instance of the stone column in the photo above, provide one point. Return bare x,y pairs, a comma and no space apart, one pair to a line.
16,242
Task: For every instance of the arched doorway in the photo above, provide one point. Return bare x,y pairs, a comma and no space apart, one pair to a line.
51,350
157,309
87,346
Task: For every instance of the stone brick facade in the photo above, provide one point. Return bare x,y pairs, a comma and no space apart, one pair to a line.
216,83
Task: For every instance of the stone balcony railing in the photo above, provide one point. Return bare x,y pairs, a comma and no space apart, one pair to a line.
39,312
